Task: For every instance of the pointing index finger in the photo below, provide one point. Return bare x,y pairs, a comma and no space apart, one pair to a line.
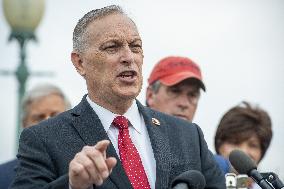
102,145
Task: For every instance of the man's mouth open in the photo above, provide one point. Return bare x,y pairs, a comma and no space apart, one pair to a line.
128,76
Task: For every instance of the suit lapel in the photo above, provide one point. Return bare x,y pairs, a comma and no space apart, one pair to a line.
91,130
157,131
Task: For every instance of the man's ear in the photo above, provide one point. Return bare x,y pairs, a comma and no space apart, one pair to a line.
78,63
150,96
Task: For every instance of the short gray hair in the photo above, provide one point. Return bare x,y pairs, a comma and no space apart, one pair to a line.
39,92
155,86
79,41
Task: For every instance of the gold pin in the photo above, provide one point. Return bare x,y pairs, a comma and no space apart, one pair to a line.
156,121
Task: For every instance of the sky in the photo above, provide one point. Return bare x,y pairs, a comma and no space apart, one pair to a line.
239,45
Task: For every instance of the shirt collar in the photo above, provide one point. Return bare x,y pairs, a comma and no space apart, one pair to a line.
106,116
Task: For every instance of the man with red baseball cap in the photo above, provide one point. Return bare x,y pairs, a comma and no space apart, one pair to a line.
174,87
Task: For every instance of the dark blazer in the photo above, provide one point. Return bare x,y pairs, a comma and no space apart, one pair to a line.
7,173
45,150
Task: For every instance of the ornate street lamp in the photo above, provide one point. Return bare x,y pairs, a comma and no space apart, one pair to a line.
23,16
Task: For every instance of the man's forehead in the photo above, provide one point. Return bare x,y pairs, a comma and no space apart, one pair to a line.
112,26
113,21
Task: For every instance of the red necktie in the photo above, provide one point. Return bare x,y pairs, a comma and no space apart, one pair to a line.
129,155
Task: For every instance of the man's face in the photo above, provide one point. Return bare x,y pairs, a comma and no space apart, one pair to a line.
112,62
43,108
179,100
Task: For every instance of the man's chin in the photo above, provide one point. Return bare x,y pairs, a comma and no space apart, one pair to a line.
129,93
181,117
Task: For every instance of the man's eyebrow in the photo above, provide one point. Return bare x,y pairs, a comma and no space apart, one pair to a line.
137,39
174,87
113,39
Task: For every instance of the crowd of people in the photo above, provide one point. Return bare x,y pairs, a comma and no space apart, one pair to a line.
110,140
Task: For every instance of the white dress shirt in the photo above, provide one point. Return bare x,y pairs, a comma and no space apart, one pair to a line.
138,133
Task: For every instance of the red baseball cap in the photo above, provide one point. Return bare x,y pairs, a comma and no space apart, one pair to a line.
173,69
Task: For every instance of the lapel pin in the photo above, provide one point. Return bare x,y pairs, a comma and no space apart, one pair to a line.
156,121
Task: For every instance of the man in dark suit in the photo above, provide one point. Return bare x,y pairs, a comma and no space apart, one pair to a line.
109,140
40,103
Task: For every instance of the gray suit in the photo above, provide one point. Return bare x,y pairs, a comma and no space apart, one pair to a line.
46,149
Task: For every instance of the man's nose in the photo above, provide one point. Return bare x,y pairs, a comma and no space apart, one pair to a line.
127,56
183,101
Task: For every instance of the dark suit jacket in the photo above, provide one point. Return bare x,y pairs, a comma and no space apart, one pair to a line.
45,150
7,173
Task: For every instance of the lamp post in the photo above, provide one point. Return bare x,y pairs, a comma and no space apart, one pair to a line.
23,16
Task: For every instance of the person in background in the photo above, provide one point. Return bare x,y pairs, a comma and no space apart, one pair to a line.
110,140
246,128
175,85
40,103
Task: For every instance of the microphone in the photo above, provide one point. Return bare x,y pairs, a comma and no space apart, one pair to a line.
245,165
234,181
191,179
231,180
273,179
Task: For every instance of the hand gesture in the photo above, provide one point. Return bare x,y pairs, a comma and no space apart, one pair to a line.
90,166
